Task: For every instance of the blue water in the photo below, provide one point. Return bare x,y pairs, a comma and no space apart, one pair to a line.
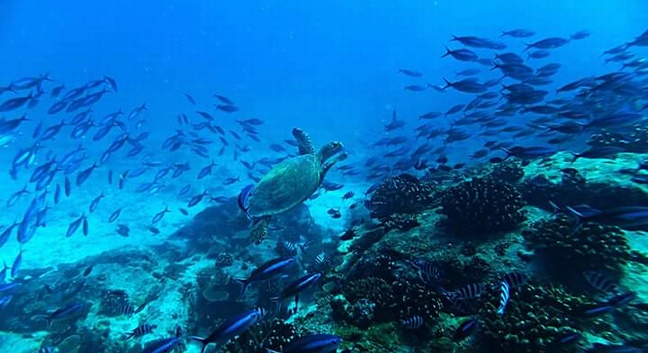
326,66
329,68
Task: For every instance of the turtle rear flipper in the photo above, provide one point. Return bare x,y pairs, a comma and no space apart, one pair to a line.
304,142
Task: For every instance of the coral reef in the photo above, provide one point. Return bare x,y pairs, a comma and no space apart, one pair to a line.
404,194
510,171
572,250
587,181
373,300
481,205
273,334
401,221
535,317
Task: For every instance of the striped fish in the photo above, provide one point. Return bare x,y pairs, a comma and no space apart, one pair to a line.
412,323
601,282
141,330
471,291
515,279
504,297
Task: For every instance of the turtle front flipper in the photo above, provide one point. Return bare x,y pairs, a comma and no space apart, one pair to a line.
304,142
259,230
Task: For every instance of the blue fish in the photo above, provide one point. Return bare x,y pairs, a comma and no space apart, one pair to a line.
113,217
5,287
17,264
85,174
317,343
95,203
465,329
631,218
231,328
69,311
298,286
158,216
165,345
265,272
244,199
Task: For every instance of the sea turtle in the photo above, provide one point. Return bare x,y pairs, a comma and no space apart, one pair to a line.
288,183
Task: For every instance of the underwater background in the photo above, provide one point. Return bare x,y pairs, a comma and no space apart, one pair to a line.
341,176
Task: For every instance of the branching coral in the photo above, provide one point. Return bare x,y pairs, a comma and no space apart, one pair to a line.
535,317
576,249
482,205
510,171
402,194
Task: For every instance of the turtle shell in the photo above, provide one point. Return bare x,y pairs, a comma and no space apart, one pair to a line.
285,186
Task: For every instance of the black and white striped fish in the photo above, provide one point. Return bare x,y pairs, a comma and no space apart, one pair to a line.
430,272
289,246
128,309
601,282
140,331
320,258
515,279
504,297
412,323
471,291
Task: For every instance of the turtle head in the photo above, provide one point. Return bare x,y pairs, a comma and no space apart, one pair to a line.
329,150
329,162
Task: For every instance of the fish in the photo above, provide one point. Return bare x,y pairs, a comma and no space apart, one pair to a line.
74,226
547,43
17,264
410,73
504,297
15,103
412,323
264,272
196,199
227,108
164,345
473,290
123,230
69,311
601,282
296,287
158,216
621,299
348,234
598,152
231,328
84,175
461,54
87,271
190,98
631,217
515,279
113,217
465,329
95,203
465,86
518,33
5,287
140,331
315,343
